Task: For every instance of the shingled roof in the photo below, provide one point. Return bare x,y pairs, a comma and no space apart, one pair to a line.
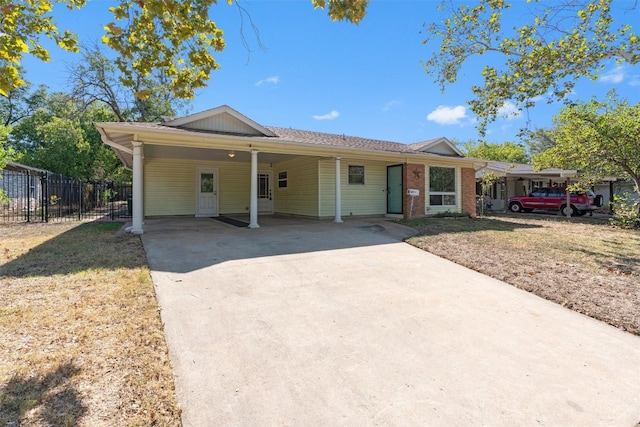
335,140
224,121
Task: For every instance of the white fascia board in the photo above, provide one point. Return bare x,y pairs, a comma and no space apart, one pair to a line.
105,138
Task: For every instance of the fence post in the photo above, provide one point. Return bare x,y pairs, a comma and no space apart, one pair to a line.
44,212
80,188
28,193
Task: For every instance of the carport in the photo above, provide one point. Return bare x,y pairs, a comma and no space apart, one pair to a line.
517,179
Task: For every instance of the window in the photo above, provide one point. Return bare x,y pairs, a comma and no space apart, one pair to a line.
282,179
206,183
556,192
356,175
442,186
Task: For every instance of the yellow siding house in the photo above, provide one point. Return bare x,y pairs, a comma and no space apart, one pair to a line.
221,163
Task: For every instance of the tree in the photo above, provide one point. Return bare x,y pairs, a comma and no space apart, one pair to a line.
598,137
96,80
20,102
175,36
5,157
60,137
505,152
5,153
339,10
22,26
539,141
562,42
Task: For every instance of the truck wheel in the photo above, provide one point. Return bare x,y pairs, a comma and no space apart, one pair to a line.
563,210
598,201
515,207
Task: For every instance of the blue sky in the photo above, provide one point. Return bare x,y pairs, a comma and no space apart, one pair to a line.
315,74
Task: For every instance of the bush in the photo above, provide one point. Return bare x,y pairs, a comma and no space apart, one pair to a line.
449,214
626,211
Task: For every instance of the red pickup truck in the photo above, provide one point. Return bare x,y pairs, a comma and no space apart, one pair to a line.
555,198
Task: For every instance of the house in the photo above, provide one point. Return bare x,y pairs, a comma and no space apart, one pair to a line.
517,179
220,162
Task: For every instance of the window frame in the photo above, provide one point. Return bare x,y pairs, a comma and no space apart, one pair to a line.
354,175
444,195
283,180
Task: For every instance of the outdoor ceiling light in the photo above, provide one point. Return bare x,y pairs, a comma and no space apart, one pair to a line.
231,154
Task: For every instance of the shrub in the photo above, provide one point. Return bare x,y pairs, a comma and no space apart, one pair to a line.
449,214
626,211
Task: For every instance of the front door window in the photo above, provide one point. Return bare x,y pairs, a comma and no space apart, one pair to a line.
206,183
265,197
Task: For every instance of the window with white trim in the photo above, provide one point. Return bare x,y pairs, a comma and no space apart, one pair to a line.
442,186
356,175
283,180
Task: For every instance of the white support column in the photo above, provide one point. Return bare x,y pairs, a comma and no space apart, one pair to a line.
253,205
338,217
137,190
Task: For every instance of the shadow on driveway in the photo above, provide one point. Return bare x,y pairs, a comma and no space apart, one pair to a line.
204,242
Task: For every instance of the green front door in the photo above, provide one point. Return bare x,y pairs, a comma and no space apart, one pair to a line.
394,189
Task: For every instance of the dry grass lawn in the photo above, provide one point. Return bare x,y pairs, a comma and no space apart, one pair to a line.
583,265
82,340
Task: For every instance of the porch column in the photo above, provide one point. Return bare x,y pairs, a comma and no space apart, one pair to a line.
253,204
338,218
505,202
137,190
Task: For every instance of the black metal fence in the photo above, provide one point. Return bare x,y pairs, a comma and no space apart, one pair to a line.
26,196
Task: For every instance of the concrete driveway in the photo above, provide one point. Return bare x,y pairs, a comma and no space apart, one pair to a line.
310,323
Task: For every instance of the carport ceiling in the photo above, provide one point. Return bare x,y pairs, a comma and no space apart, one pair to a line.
159,151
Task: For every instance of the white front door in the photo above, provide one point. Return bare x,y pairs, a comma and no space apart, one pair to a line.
265,197
207,192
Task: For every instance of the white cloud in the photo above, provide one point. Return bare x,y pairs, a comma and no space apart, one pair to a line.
634,81
330,116
271,80
505,128
539,98
614,76
509,111
444,115
389,105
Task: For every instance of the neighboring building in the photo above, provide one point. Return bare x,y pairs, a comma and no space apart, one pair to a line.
220,162
22,185
518,179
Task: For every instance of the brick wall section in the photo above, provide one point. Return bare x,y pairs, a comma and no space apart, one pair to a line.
469,191
414,178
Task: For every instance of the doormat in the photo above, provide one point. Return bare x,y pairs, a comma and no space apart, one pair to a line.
231,221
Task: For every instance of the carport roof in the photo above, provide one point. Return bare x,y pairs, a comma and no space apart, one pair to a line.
224,128
528,171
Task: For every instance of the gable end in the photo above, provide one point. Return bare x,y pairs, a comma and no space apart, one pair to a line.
223,119
222,123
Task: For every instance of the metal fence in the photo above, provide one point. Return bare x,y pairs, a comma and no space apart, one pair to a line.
47,197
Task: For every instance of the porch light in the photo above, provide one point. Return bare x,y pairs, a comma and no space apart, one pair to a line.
231,154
